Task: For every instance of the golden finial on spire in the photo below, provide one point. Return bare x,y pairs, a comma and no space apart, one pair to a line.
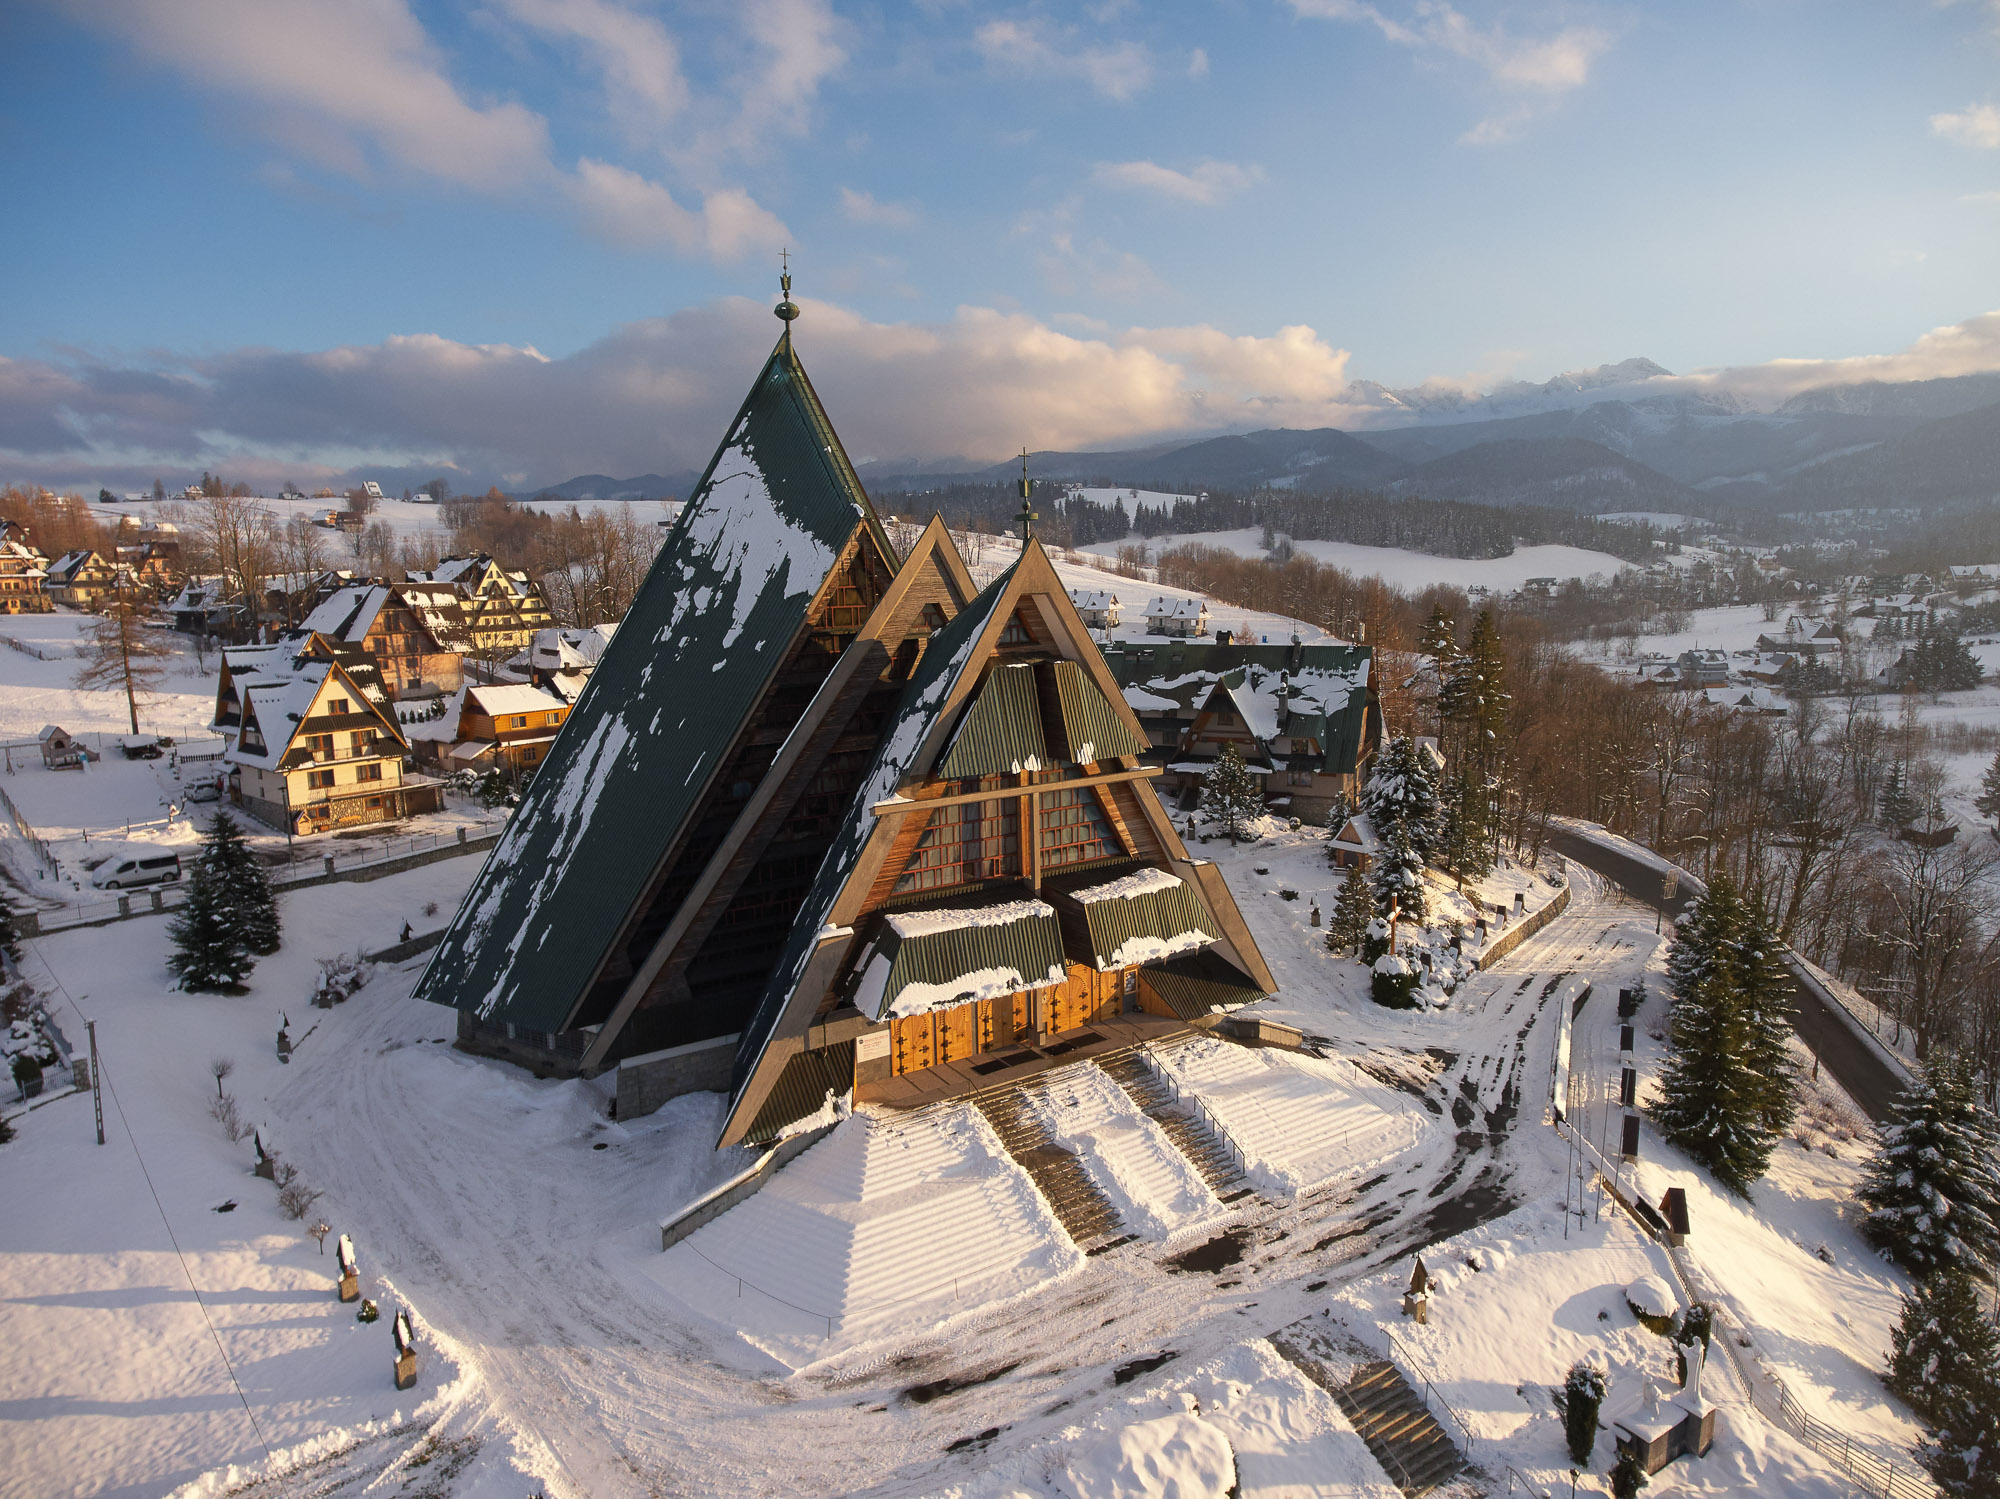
787,309
1028,516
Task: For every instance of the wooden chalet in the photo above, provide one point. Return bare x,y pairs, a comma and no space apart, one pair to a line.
510,725
844,824
417,634
83,579
23,570
313,743
501,610
1305,718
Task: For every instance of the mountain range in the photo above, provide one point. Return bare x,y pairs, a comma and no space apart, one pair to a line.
1626,436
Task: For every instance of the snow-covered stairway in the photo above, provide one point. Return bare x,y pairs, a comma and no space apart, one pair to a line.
1401,1433
1085,1213
1190,1136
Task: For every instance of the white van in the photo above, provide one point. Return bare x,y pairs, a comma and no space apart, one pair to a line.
123,871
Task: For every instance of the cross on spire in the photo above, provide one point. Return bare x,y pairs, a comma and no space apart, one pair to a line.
1028,516
787,309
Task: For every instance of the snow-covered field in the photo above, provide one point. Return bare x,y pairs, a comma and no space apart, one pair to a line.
896,1312
1399,568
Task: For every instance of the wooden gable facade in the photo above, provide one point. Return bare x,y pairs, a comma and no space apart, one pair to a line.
1009,881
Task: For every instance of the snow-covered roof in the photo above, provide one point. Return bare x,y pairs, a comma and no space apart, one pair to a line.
931,923
348,615
1093,598
503,698
1139,882
1166,608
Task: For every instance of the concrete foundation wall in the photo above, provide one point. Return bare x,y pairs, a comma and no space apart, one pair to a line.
646,1082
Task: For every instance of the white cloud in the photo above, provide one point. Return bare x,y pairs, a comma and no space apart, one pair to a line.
1977,125
866,208
641,63
1205,182
363,77
638,213
1198,63
360,87
1117,70
1541,68
655,395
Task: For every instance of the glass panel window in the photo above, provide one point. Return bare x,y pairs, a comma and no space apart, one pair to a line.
319,780
371,772
1073,829
974,841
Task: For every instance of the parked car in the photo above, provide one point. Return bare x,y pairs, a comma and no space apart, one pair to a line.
203,791
125,871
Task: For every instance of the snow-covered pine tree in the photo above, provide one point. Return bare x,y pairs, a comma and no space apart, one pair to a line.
1583,1397
1231,795
1401,796
1932,1196
1353,907
1726,1090
244,883
1988,800
1396,878
209,951
1895,805
1944,1361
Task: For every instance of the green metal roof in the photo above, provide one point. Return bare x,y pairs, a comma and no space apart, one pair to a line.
1094,728
1002,729
1199,984
983,961
722,604
801,1090
945,659
1152,920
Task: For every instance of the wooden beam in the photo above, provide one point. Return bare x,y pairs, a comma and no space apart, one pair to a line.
895,808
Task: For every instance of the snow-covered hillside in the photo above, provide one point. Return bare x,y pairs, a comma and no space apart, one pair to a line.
1407,570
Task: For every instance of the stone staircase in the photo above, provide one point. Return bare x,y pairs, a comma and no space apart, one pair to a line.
1085,1213
1398,1427
1189,1133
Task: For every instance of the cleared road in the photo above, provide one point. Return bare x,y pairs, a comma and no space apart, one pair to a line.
1859,1069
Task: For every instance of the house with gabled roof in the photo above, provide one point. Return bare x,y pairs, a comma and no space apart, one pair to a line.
1097,607
509,725
1305,718
826,823
313,749
1170,616
82,579
416,634
23,570
501,610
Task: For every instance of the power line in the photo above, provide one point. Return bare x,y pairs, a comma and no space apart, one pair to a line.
160,1207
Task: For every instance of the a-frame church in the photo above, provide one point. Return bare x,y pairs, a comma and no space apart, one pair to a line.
844,818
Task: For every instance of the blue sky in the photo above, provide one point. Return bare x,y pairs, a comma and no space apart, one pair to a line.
1040,223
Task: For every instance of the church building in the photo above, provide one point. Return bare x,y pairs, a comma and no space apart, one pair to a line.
827,821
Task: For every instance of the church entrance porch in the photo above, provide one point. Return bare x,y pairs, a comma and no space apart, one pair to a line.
1008,1062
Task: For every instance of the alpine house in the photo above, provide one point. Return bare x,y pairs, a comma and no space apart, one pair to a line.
824,822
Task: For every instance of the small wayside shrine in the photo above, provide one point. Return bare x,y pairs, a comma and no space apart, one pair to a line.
823,822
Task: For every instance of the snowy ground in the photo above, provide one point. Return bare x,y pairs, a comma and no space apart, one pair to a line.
405,518
1399,568
565,1351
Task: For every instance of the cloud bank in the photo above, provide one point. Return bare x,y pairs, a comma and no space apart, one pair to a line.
653,396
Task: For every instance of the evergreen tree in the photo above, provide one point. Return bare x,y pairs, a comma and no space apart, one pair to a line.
1438,639
1945,1361
1931,1191
1727,1088
1988,800
1401,797
1583,1397
1231,795
1396,878
1352,909
210,953
1896,806
243,882
1474,697
10,935
1465,842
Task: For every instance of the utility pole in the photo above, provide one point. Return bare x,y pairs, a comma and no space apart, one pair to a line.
96,1080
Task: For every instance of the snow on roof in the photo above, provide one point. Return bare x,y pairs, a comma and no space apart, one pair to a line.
278,705
930,923
1139,699
1166,608
1093,598
348,614
508,697
1139,882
